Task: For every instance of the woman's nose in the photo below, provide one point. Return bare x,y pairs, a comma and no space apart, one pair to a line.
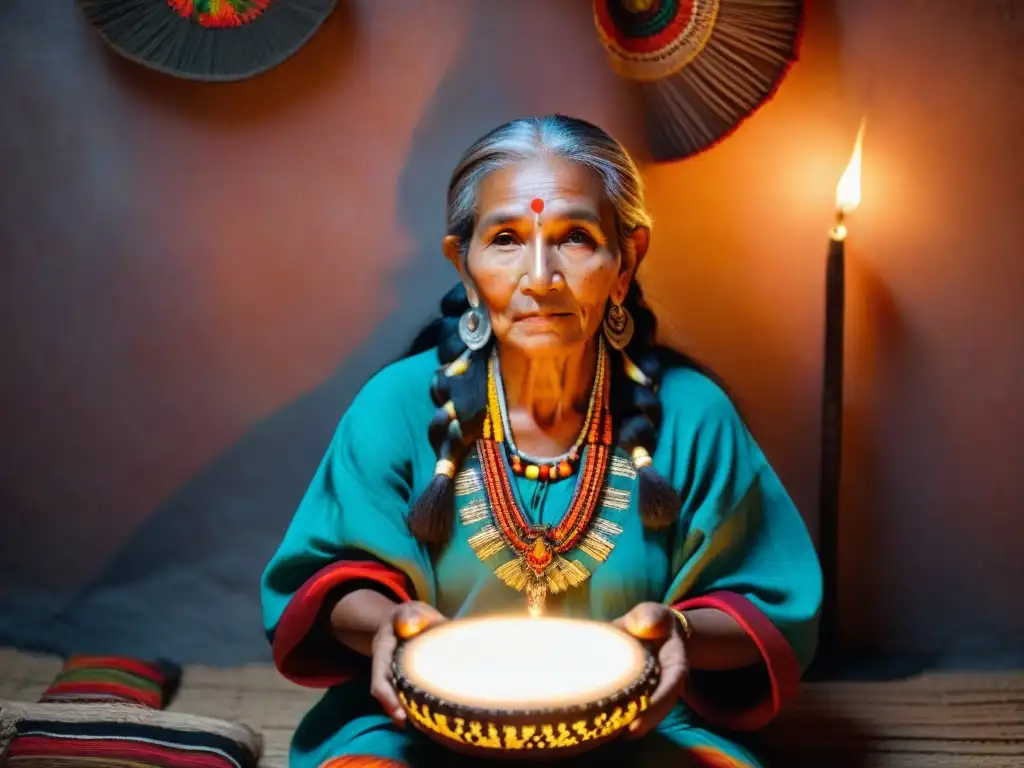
541,270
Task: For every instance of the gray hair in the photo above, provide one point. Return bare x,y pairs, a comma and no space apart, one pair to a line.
531,137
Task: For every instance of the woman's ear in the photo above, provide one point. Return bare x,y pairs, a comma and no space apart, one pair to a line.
640,240
452,247
633,252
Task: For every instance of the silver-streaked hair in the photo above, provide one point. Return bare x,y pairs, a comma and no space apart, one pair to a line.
558,135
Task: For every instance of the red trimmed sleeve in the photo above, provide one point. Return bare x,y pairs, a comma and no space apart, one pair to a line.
305,651
781,677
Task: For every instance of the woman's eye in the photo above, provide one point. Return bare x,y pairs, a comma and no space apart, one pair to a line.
504,240
579,237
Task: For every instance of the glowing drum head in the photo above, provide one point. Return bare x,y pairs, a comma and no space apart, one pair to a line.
513,687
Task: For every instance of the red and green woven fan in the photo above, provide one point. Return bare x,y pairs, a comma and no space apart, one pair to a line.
207,39
703,66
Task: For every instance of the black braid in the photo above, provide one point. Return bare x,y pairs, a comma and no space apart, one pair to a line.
637,410
431,517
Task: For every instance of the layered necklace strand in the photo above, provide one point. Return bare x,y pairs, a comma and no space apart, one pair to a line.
538,565
559,467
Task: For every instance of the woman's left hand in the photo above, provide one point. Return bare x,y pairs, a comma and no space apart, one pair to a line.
655,623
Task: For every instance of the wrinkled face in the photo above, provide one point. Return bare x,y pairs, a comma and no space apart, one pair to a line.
545,258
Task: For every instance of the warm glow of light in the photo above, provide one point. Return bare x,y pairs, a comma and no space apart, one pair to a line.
848,189
522,663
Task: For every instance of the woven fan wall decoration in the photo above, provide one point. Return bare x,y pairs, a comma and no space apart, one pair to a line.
703,66
212,40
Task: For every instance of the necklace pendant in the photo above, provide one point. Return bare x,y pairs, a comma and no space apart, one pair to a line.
538,556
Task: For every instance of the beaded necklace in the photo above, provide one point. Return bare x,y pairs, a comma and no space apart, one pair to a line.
551,469
538,565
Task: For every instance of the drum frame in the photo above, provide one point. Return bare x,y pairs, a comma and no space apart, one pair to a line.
522,734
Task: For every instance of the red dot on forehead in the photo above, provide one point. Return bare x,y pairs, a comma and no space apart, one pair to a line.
537,205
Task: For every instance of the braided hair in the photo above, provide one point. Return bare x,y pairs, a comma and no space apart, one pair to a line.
459,388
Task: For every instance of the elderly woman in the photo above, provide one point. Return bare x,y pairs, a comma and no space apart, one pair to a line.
543,375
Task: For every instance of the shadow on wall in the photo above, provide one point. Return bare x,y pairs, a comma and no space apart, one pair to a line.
875,353
185,586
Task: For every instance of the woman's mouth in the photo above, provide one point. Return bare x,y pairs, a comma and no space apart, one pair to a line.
544,318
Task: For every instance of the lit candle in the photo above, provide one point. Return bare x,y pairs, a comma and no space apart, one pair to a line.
847,200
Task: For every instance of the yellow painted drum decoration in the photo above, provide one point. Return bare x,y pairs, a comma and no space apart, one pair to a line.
528,688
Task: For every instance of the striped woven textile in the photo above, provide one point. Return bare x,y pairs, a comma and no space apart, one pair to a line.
81,735
114,679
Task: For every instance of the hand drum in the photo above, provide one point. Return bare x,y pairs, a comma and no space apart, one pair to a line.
528,688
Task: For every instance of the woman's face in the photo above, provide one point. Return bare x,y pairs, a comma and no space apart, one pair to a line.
545,258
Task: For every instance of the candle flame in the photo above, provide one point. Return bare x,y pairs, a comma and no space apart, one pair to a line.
848,188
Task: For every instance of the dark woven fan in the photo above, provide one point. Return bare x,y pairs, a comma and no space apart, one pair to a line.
207,39
703,65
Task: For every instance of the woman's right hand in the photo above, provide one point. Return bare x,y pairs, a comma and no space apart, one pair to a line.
405,621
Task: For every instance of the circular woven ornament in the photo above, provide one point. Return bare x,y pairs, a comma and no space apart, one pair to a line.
703,66
210,40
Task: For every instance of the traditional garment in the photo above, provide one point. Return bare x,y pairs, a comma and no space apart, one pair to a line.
739,546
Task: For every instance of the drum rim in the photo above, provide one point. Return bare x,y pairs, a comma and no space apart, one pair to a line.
646,679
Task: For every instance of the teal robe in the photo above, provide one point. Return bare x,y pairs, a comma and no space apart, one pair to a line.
739,546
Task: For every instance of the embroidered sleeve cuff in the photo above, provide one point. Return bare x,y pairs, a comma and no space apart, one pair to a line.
305,651
779,677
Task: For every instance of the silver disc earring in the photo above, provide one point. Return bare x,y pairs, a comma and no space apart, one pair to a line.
618,326
475,328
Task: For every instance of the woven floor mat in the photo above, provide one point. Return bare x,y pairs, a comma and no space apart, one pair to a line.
948,720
